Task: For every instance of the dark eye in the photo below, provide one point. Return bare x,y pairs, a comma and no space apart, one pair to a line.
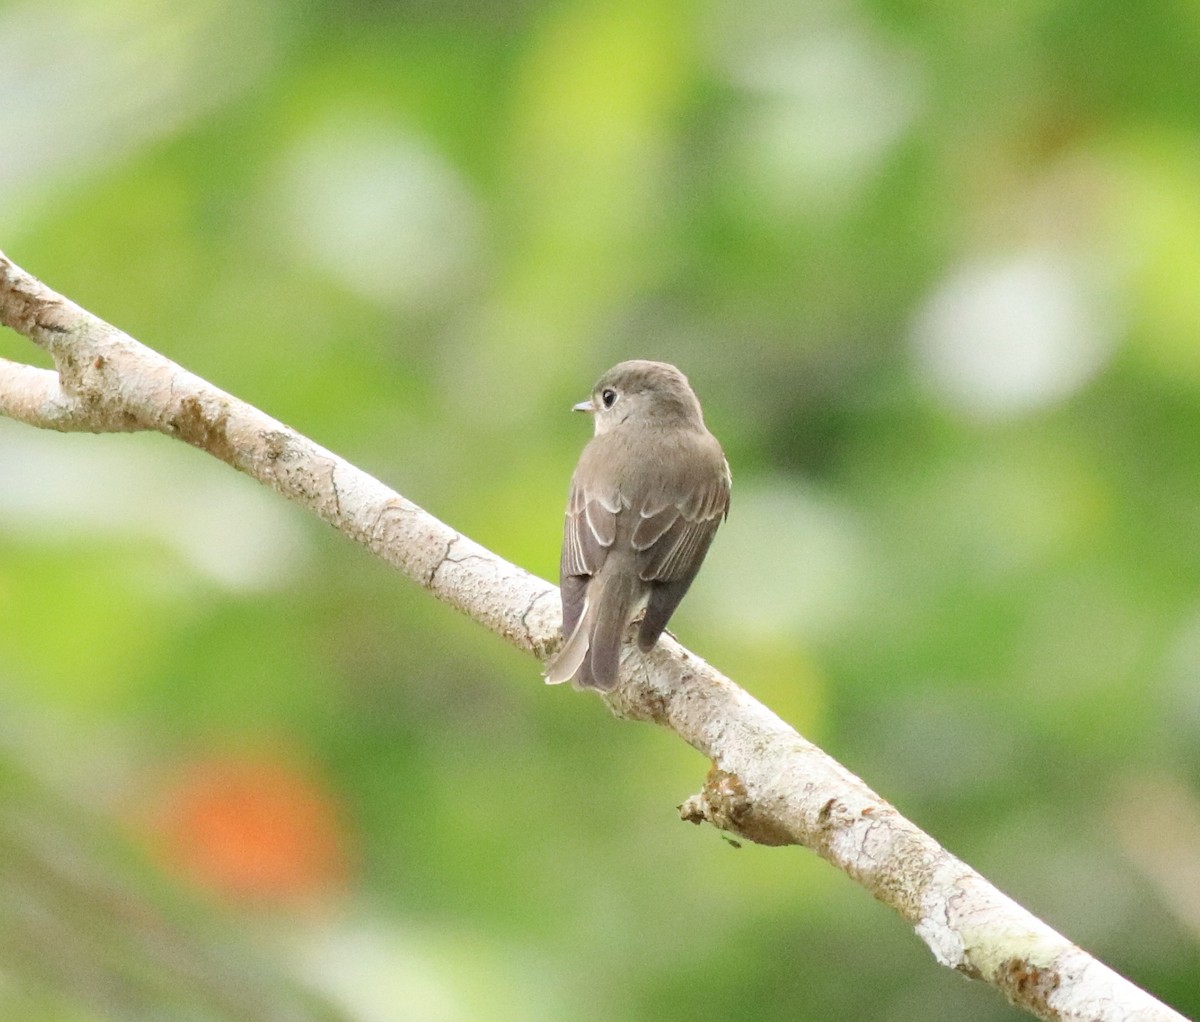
608,396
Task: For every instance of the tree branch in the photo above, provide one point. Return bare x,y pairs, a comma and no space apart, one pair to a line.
767,784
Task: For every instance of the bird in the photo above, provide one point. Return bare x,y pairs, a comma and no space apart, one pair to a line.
649,491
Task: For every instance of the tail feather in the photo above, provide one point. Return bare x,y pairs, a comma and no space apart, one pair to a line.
566,662
592,653
613,605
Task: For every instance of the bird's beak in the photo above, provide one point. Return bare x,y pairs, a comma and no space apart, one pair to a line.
584,406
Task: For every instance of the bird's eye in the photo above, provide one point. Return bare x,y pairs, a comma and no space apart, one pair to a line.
608,396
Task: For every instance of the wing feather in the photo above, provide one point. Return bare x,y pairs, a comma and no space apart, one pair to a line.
672,541
589,531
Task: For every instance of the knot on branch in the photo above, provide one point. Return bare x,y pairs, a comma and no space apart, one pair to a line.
726,804
1028,984
203,427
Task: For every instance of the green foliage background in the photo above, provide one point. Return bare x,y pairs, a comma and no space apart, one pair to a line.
934,269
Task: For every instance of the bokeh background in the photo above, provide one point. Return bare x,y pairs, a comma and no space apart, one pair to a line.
934,269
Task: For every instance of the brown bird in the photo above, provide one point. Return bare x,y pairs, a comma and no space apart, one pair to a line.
650,489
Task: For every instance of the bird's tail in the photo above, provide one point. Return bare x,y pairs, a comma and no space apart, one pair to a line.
568,659
592,653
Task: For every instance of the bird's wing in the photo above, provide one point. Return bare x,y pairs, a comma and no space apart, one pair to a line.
672,538
672,542
589,530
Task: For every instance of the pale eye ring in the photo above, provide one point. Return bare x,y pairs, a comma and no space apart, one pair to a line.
608,397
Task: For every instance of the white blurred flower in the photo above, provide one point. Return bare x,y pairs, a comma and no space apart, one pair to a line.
788,563
378,210
827,98
1006,337
221,525
88,85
